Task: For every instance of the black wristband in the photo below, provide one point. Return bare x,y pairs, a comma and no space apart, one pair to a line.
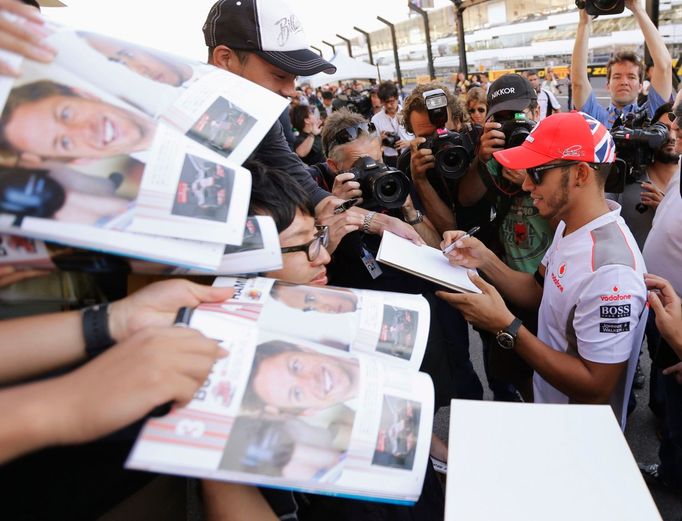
96,329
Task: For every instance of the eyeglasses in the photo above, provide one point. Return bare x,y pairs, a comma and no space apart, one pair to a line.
349,134
672,116
312,248
535,173
480,110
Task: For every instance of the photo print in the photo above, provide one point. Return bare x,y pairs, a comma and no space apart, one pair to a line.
203,190
398,433
398,332
222,127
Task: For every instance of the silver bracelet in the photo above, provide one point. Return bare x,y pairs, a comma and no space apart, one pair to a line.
367,221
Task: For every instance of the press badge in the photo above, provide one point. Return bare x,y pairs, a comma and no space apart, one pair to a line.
370,263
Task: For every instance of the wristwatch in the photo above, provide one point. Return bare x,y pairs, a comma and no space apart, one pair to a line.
506,338
419,218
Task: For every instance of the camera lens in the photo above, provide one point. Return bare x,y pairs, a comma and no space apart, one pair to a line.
452,161
388,189
517,137
607,5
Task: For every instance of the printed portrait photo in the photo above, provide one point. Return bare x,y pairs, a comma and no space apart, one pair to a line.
398,332
204,190
398,433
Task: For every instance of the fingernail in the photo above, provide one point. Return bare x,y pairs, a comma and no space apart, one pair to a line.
223,353
42,54
459,244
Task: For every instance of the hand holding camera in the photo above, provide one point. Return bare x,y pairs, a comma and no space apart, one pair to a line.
346,188
421,159
492,140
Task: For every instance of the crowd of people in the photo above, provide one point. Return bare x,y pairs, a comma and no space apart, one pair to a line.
573,273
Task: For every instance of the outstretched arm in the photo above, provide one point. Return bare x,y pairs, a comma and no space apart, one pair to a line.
579,79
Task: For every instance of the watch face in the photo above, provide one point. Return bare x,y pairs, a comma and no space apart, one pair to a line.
505,340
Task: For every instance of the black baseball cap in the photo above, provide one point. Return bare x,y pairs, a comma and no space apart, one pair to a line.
510,92
267,28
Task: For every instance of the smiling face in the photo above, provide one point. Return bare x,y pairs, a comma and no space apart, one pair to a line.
302,380
318,299
623,84
76,127
141,61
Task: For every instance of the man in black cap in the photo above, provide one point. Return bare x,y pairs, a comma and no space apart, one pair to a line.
519,235
263,41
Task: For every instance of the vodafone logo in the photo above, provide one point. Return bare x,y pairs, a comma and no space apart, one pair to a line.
615,298
558,284
562,270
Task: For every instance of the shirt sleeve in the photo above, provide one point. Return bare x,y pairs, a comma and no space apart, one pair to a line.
274,151
654,100
552,99
607,313
594,109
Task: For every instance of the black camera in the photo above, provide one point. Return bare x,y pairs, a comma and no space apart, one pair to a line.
382,186
516,130
636,144
601,7
390,139
359,102
453,151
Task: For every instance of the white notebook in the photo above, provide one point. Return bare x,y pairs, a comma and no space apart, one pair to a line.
425,262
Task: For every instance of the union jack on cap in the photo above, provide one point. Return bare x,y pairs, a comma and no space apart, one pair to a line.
567,135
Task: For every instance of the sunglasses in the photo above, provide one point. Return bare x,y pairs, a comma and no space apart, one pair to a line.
349,134
535,173
672,116
312,248
480,110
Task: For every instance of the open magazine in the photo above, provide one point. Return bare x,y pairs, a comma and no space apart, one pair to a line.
259,252
121,148
326,398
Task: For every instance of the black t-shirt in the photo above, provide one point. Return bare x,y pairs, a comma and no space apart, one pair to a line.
274,151
316,155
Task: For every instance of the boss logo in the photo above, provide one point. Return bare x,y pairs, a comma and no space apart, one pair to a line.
621,311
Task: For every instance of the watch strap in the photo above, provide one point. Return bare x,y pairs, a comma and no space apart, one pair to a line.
95,322
513,328
418,219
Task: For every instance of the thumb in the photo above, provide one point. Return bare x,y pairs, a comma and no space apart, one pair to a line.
673,369
655,303
205,293
479,282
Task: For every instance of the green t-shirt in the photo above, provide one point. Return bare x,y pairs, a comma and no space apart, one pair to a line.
525,236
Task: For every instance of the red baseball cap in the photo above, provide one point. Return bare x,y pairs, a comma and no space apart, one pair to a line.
573,136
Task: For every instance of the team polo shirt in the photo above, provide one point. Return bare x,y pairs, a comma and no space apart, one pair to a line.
607,116
594,301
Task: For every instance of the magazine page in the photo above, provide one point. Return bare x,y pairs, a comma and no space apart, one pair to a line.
391,326
259,252
112,155
290,414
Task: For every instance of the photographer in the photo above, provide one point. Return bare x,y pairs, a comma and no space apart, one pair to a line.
353,263
624,72
394,138
436,192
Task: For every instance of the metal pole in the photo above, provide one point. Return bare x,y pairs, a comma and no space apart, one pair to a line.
427,33
459,10
330,45
319,51
652,11
347,40
369,43
395,51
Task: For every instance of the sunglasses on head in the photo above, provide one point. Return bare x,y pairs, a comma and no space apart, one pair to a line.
535,173
349,134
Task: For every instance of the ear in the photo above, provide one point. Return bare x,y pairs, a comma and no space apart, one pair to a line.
332,166
536,113
584,174
225,58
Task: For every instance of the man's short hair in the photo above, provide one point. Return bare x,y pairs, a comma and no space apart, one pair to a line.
531,72
338,121
415,102
241,55
277,194
28,93
387,90
327,94
264,351
622,57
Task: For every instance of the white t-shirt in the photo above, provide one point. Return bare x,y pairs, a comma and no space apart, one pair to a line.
385,123
663,246
592,300
545,98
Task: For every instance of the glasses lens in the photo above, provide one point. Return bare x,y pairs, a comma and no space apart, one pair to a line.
671,116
